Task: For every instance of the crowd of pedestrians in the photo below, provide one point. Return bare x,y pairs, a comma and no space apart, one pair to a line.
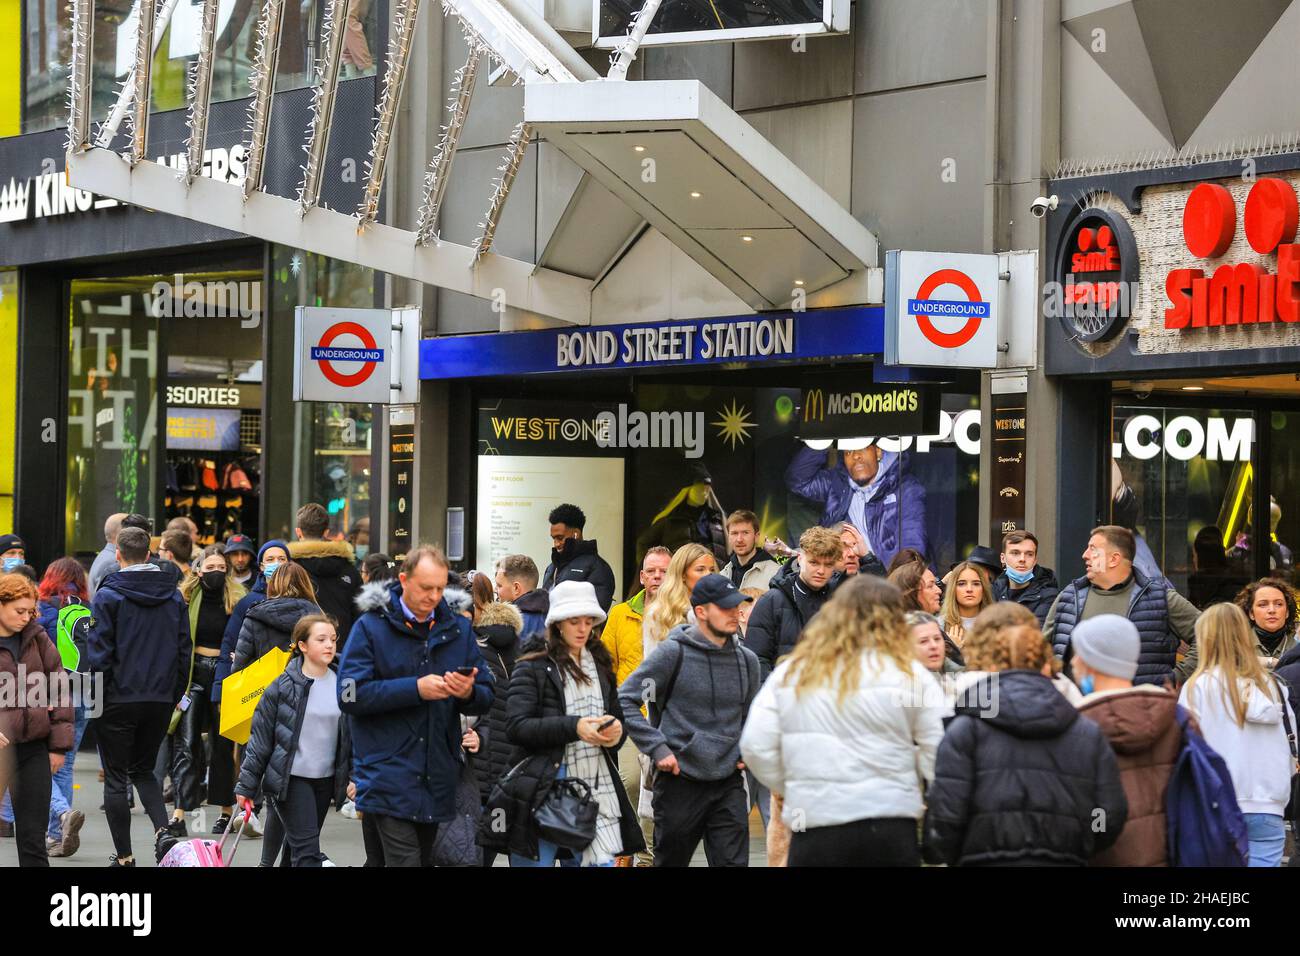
874,709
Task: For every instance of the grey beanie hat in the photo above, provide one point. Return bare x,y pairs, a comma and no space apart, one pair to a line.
1108,643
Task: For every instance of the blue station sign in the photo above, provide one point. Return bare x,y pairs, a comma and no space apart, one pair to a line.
777,337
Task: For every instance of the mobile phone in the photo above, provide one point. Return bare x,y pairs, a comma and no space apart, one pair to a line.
465,670
607,724
184,704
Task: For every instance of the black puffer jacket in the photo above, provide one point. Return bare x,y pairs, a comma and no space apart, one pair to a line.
498,640
781,614
1021,780
268,625
1038,595
273,740
580,561
332,567
539,727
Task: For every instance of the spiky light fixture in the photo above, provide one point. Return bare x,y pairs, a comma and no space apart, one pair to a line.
439,171
322,107
200,92
139,81
501,191
399,54
126,93
262,81
79,83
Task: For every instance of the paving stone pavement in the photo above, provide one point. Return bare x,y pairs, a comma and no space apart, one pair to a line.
341,838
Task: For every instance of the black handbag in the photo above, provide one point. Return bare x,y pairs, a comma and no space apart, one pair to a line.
1292,811
567,816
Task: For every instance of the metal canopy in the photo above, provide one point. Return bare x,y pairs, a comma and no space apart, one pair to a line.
695,170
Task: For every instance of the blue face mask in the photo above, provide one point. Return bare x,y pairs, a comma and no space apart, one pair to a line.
269,569
1020,577
11,563
1085,685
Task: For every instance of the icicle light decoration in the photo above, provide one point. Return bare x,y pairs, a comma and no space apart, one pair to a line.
262,80
439,171
200,92
621,60
399,54
501,191
139,80
322,107
82,14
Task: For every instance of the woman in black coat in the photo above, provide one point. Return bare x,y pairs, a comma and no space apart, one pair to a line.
267,625
1020,778
498,639
553,741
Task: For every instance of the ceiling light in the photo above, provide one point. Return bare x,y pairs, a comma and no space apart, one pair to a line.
1193,388
639,149
694,194
746,238
798,281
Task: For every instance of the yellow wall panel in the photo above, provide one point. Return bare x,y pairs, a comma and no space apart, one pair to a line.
11,66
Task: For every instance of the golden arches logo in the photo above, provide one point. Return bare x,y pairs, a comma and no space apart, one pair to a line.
814,406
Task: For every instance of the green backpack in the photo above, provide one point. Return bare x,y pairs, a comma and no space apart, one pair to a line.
74,625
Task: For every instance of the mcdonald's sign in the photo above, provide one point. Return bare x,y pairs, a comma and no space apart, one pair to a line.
851,410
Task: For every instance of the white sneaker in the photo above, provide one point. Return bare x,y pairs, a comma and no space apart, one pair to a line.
253,831
349,810
327,862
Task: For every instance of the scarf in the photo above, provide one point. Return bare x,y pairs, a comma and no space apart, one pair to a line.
1270,642
587,762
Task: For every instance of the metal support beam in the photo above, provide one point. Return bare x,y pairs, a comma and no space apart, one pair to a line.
322,107
439,172
399,54
139,81
79,81
201,92
514,157
126,95
262,81
621,61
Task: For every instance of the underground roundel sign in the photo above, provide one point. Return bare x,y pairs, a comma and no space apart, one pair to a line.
941,309
343,355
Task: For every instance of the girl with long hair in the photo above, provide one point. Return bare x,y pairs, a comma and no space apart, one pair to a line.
564,718
1241,708
919,586
211,595
967,595
482,593
672,605
845,730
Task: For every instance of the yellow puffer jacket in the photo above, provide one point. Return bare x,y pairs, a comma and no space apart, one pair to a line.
622,635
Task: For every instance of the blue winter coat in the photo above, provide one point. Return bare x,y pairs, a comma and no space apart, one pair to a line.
809,477
230,639
140,639
406,754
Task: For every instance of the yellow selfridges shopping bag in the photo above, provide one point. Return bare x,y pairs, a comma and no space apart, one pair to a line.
241,691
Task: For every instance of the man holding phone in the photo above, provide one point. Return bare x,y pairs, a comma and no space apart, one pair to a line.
697,685
410,662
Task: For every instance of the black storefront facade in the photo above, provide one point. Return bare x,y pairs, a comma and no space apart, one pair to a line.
152,349
699,424
1172,329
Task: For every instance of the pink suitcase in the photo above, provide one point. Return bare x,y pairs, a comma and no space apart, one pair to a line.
202,852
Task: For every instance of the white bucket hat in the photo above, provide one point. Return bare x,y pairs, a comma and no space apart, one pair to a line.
573,599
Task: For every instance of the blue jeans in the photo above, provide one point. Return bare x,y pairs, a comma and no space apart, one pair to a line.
61,785
546,850
1267,835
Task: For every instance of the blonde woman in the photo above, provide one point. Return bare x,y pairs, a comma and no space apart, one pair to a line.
1241,710
672,605
846,730
968,592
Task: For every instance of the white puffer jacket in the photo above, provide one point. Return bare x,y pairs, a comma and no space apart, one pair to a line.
1257,753
835,763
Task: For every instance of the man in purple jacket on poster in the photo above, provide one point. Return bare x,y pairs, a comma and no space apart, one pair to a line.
867,488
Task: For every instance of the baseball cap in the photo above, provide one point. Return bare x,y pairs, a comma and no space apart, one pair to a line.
716,589
10,541
239,542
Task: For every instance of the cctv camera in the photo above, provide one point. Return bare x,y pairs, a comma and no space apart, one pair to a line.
1042,204
1142,390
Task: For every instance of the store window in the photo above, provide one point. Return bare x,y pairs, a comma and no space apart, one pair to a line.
49,51
1182,478
329,443
164,401
8,391
1284,503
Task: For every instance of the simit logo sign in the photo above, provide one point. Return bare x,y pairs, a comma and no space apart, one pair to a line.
1095,276
1241,294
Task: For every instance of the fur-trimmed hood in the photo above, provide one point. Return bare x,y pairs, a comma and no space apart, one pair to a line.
300,550
501,612
458,600
376,595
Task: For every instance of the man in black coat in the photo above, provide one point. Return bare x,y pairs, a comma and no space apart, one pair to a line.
797,592
1025,581
331,565
574,559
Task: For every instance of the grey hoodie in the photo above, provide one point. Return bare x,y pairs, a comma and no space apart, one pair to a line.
706,706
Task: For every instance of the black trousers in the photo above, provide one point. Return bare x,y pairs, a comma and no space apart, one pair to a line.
129,737
882,841
374,844
273,840
25,771
405,842
303,814
687,811
189,758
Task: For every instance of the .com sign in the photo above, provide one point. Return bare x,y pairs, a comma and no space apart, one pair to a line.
1183,438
